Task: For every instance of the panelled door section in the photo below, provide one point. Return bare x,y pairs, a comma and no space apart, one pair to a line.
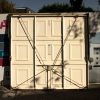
48,44
22,52
74,53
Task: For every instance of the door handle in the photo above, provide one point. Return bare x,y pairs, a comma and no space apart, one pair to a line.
49,49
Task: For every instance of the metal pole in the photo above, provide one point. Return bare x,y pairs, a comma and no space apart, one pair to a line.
47,76
34,51
87,46
62,52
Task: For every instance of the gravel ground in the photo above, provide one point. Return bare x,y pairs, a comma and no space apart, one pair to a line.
83,94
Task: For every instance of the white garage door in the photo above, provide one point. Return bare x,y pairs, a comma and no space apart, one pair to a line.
74,53
41,67
48,43
22,52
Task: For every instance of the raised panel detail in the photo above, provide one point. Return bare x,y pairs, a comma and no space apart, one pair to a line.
66,51
21,29
56,48
21,52
41,49
75,27
22,76
56,28
41,28
76,76
75,52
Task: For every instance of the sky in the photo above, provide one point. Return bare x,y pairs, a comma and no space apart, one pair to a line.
35,5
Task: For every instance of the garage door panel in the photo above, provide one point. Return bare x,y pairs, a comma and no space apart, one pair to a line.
77,29
48,27
48,43
22,28
41,51
22,52
75,76
56,28
56,49
41,28
74,52
40,77
48,30
48,51
56,77
21,75
56,80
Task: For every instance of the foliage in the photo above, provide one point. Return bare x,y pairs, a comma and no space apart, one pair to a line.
76,4
6,6
56,7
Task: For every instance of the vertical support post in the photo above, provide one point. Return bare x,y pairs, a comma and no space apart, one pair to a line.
34,50
62,52
87,46
47,75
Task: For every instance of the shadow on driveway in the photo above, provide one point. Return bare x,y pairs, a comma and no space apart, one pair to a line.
83,94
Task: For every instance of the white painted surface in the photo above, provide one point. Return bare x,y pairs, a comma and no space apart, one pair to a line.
48,43
21,52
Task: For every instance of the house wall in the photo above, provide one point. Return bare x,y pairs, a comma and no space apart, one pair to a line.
4,51
94,67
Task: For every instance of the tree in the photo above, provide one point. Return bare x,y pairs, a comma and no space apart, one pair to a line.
76,4
64,8
55,8
6,6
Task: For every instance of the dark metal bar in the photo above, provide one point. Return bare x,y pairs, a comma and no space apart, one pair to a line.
48,14
34,51
47,76
62,52
87,47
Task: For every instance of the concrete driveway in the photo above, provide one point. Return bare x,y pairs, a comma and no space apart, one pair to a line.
83,94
